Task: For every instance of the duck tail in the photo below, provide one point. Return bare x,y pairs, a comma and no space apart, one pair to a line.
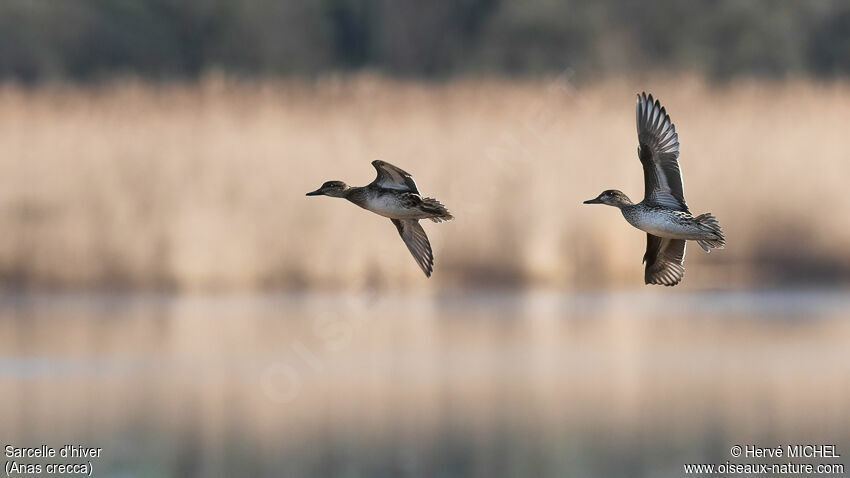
716,239
438,212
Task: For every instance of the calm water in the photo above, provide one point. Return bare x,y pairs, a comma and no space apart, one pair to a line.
628,384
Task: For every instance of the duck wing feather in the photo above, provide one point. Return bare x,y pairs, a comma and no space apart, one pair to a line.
664,260
659,155
414,237
393,177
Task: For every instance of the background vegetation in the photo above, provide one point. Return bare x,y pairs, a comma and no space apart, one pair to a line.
201,186
92,39
166,144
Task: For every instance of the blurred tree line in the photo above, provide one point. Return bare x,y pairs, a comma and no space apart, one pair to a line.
92,39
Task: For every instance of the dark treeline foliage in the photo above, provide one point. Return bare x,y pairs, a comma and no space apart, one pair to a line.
90,39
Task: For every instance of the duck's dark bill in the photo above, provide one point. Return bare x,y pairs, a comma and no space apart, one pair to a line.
593,201
317,192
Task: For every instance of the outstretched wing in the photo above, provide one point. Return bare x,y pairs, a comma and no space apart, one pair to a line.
417,242
664,260
393,177
659,154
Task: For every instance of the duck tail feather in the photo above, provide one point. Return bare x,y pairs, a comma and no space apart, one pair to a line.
717,239
436,208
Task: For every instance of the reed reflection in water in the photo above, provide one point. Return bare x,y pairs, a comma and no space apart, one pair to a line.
539,384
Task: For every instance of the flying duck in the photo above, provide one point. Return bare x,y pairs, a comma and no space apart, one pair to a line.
663,213
394,194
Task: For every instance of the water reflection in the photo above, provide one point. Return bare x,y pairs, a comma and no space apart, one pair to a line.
538,384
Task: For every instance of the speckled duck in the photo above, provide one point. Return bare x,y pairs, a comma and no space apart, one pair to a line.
393,194
663,213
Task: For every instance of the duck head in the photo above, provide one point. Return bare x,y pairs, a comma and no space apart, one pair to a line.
611,197
334,189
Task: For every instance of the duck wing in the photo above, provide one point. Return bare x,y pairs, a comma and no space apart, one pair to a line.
664,260
414,237
659,155
393,177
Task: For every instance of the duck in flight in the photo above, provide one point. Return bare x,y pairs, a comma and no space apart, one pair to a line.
393,194
663,213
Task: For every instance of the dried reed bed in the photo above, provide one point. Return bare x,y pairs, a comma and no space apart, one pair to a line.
202,186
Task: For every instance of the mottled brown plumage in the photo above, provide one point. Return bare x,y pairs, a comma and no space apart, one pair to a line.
663,214
394,194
